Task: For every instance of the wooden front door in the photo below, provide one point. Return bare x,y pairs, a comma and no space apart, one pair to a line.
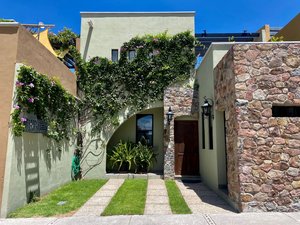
186,148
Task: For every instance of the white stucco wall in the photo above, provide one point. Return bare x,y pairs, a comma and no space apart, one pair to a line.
34,163
110,30
211,160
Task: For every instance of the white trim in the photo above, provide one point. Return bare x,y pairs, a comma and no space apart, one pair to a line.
167,13
9,24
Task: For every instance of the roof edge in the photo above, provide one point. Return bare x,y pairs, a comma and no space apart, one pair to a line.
137,13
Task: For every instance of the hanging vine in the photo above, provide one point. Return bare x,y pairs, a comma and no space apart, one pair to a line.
158,61
47,100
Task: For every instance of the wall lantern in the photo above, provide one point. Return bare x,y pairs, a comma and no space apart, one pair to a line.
169,115
207,106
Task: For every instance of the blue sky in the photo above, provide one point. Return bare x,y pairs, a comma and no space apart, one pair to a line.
211,15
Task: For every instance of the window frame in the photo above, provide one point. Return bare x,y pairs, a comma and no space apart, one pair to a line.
139,116
133,57
112,55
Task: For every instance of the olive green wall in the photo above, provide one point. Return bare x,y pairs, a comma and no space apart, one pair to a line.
212,161
127,131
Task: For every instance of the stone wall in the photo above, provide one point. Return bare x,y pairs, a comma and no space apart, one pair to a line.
183,99
267,147
225,101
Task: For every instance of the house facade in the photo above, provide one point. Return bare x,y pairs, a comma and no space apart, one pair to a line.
103,34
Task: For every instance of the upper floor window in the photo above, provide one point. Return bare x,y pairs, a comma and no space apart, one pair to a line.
131,55
114,55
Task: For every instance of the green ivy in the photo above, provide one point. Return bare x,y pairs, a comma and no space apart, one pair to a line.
107,87
45,98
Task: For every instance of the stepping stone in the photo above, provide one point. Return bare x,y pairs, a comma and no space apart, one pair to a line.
157,201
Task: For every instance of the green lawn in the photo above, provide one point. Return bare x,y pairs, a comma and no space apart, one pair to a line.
74,193
177,203
130,199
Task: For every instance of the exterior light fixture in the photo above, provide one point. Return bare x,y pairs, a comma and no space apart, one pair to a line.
169,115
207,106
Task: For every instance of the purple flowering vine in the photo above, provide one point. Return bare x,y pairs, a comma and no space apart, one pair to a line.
31,100
19,84
16,107
23,119
31,85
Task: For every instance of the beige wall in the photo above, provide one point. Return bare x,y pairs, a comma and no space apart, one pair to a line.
211,160
8,52
111,30
127,131
32,53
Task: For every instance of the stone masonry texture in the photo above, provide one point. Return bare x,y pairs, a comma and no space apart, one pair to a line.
183,100
263,151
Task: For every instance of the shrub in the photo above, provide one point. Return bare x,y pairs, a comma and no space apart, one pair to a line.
128,156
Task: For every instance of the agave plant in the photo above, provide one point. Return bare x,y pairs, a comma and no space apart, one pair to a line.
122,156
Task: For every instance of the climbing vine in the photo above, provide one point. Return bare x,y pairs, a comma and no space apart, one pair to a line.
155,62
46,99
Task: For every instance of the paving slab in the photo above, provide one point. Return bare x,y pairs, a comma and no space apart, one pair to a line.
157,200
94,220
168,220
294,215
253,219
202,200
28,221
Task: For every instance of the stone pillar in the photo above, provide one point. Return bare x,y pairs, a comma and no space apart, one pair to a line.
169,148
184,101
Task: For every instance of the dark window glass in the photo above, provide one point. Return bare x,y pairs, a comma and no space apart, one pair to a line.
286,111
144,129
131,55
114,55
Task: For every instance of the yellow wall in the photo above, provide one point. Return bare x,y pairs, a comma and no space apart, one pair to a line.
127,131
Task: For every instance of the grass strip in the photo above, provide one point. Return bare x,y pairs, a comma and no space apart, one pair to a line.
74,194
177,202
130,199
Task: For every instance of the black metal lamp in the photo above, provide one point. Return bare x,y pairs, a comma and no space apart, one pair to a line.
207,107
169,115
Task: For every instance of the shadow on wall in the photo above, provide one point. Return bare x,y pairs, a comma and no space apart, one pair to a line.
88,40
30,148
195,100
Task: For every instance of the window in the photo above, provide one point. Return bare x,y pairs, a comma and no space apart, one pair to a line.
114,55
144,129
131,55
286,111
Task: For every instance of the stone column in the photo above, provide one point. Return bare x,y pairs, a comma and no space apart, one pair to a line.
169,148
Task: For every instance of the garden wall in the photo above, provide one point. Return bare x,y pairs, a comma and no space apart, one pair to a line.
18,46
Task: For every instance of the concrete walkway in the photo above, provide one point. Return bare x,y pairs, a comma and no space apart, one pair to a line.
200,199
98,202
157,201
194,219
